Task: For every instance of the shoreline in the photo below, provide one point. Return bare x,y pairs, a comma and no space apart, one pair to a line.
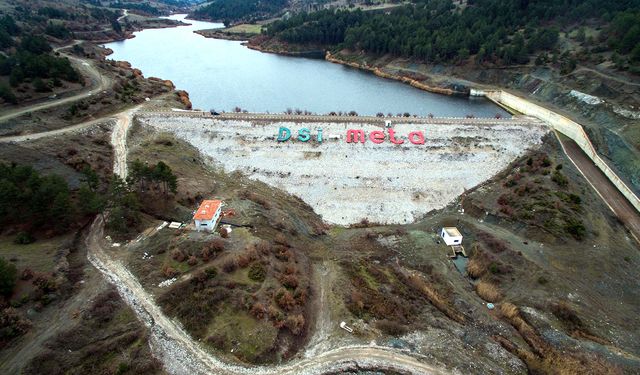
313,54
410,81
213,34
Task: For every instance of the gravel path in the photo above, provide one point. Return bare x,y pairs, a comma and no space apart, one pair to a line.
119,141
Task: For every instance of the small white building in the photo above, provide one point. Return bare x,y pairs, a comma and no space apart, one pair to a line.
451,236
207,215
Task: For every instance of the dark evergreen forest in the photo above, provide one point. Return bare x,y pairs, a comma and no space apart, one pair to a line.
502,31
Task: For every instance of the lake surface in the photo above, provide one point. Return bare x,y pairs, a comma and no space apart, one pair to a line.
223,74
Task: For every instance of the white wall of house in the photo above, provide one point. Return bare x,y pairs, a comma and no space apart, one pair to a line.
450,240
208,225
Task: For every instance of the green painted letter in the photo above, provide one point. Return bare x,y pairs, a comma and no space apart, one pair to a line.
304,135
284,134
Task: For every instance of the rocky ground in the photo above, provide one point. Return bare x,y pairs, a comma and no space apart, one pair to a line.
347,183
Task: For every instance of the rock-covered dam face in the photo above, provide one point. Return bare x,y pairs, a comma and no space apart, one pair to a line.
358,170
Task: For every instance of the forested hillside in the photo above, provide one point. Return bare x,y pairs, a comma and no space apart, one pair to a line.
246,10
28,64
503,32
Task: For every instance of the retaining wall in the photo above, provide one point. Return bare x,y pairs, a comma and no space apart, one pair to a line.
567,127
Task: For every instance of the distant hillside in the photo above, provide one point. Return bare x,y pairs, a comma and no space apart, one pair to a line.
236,10
501,32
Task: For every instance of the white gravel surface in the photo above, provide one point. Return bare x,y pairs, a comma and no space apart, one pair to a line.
346,183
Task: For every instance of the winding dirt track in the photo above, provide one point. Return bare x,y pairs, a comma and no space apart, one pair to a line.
51,133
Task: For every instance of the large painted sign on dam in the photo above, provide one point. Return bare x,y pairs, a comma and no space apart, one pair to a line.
415,137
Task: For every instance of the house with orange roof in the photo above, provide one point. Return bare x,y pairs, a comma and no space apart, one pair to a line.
207,215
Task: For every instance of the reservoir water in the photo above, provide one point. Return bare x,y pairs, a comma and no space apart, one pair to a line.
222,74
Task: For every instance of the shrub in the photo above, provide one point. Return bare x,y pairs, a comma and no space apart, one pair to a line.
243,260
217,341
192,261
488,291
391,328
27,274
575,199
509,310
211,272
356,303
283,254
289,269
289,281
301,296
45,283
505,199
559,179
230,265
24,238
494,244
169,271
507,210
263,247
475,268
565,313
575,228
123,367
494,268
177,255
284,299
281,239
7,94
257,272
12,324
216,245
258,310
276,316
295,323
104,306
8,274
205,254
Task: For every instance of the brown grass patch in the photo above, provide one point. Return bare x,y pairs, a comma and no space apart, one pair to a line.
488,291
475,268
509,310
545,359
440,302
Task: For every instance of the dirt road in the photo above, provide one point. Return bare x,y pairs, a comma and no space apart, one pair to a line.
604,75
603,186
51,133
119,141
99,83
182,355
